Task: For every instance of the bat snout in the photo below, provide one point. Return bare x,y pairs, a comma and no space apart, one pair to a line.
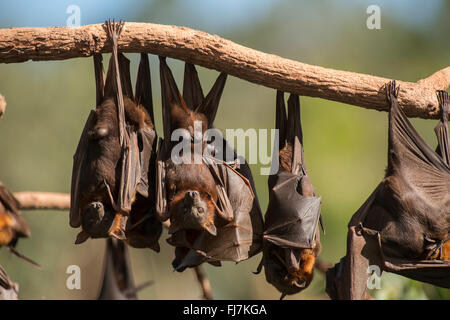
191,195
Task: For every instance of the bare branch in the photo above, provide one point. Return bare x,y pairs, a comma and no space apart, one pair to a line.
43,200
210,51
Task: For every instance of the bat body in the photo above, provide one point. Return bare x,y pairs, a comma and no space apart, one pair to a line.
291,236
404,225
209,220
118,283
112,192
8,290
12,224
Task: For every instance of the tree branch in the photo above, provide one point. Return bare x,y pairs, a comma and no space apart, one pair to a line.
43,200
210,51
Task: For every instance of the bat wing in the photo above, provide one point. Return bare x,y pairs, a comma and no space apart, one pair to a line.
8,289
144,86
79,157
411,158
192,89
210,104
118,283
236,240
424,171
170,96
291,219
79,160
7,201
99,78
162,212
442,127
146,136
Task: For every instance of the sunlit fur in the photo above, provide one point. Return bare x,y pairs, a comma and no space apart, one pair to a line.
104,152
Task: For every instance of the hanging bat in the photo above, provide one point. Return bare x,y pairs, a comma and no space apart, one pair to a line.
291,236
118,283
12,225
113,161
214,213
403,227
9,290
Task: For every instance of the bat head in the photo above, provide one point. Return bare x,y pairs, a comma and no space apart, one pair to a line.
288,270
193,210
97,220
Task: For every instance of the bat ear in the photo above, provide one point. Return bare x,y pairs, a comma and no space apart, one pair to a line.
211,228
210,105
144,86
82,237
192,89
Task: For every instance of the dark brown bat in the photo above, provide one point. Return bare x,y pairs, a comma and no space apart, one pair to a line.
213,211
291,237
111,194
9,290
404,225
12,224
118,283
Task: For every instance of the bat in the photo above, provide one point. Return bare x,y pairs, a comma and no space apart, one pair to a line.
291,236
403,227
12,225
112,190
214,213
118,283
9,290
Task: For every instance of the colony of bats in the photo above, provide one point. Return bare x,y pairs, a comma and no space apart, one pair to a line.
126,182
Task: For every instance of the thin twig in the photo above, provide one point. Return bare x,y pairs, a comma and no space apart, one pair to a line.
43,200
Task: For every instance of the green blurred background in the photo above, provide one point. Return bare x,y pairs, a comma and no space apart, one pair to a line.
48,103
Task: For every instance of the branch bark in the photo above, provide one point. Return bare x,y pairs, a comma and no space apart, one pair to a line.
43,200
418,99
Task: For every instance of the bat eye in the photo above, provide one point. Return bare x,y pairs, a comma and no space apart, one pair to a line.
201,210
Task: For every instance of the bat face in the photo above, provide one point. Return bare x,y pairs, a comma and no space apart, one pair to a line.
193,210
289,270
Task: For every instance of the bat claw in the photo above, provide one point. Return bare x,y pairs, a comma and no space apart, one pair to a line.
116,229
392,90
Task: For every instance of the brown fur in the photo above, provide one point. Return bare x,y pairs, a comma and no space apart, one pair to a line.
104,152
